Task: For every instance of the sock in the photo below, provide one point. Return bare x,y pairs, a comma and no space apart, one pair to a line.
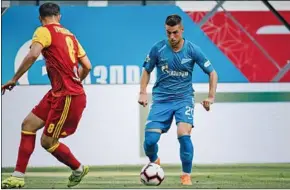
18,174
78,171
186,153
26,148
150,145
183,173
63,154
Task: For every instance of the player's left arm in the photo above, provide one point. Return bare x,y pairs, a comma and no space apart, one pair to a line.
41,39
207,67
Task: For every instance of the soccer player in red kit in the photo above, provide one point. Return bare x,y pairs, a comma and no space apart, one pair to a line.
60,110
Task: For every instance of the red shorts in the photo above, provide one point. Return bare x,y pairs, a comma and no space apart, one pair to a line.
61,114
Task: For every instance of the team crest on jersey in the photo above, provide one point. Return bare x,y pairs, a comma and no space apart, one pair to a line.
147,59
185,60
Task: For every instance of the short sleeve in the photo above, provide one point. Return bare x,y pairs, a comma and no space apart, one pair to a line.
150,60
202,60
42,36
81,51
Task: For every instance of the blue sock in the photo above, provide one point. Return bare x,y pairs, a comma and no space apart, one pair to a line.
186,153
150,145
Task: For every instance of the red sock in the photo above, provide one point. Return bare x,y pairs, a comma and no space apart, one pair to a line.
25,150
64,155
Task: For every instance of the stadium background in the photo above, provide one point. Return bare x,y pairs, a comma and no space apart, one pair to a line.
248,125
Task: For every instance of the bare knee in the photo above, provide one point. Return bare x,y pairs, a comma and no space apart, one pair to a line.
25,125
47,142
32,123
184,129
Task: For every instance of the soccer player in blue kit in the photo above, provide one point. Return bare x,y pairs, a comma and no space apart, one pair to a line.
174,60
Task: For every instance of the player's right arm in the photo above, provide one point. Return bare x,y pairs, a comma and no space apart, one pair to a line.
86,66
148,65
41,39
143,99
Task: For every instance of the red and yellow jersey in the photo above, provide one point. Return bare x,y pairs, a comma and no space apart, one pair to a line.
61,51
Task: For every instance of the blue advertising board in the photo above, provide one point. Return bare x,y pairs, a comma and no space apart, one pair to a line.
116,39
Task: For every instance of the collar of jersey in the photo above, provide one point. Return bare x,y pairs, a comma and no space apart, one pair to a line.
53,23
167,43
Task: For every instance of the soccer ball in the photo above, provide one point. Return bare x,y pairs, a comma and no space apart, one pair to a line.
152,174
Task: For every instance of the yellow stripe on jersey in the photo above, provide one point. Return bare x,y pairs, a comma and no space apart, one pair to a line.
42,36
81,51
63,117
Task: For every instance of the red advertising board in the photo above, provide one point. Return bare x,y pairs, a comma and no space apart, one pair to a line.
260,61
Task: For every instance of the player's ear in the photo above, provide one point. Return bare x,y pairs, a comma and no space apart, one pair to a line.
40,19
59,17
182,28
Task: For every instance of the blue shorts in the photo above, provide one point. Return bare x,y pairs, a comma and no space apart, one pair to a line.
161,114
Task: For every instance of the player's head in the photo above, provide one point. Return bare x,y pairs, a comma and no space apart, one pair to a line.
49,12
174,29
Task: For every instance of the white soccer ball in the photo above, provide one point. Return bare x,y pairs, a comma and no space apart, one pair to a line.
152,174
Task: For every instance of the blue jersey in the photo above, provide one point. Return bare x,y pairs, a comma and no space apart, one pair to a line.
174,69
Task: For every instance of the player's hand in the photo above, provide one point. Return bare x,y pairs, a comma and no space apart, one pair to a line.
206,103
8,86
143,99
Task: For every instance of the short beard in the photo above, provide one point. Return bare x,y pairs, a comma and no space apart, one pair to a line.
175,44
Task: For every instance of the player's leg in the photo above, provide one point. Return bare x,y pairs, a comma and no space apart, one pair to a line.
27,143
158,122
184,120
186,151
63,154
30,126
62,122
33,122
150,144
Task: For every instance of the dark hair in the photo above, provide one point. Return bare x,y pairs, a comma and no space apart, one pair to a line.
49,9
173,20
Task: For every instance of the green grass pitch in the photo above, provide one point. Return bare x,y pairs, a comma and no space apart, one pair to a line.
204,176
